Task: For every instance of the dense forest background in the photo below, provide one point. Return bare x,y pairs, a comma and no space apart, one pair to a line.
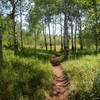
32,30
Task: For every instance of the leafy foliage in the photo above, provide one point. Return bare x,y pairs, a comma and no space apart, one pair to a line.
84,76
24,77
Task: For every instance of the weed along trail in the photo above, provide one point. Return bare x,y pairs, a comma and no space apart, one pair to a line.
59,89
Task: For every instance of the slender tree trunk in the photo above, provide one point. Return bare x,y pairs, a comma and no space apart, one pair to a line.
50,37
1,51
54,32
80,34
72,35
96,23
14,32
66,41
75,36
80,28
61,32
9,42
21,33
53,27
44,34
55,36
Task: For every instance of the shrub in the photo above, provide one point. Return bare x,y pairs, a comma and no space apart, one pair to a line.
82,73
22,77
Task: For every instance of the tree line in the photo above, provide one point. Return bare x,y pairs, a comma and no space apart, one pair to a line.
78,21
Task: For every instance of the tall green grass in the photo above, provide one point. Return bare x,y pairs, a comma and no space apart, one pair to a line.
24,78
84,77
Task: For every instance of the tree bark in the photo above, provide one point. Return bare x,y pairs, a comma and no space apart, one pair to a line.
72,35
44,34
61,32
54,32
75,39
50,37
66,41
21,33
14,30
96,23
1,51
80,33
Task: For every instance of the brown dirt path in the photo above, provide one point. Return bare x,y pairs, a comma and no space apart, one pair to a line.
59,89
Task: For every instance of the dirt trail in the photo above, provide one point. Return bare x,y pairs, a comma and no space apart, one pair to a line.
59,89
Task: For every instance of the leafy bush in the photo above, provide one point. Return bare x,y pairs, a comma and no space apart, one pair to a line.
82,72
22,77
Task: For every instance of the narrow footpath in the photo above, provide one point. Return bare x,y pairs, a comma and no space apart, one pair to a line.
59,89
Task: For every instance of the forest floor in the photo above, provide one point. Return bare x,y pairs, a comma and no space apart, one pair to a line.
59,88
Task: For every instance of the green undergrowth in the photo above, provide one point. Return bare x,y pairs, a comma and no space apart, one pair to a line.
24,78
84,74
